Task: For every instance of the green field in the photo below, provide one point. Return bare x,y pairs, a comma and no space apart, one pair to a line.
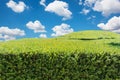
84,41
85,55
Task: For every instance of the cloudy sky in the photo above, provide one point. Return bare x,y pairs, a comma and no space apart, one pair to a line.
51,18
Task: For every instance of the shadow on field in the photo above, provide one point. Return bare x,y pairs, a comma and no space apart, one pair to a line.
87,39
115,44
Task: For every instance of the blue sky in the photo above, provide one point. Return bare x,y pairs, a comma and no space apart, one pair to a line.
50,18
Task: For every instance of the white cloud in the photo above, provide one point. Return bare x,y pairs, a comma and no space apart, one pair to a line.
85,11
1,36
60,8
106,7
112,25
43,36
10,34
18,8
36,26
80,2
61,30
89,3
8,37
117,31
91,17
42,2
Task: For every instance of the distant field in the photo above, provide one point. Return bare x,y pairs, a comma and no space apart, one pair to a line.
84,41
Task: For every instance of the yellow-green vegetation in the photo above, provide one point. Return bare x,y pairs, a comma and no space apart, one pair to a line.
93,35
85,55
84,41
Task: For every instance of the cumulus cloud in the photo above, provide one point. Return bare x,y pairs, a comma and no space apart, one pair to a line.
42,2
16,7
89,3
36,26
61,30
91,17
85,11
43,36
7,37
112,25
80,2
1,36
10,34
106,7
60,8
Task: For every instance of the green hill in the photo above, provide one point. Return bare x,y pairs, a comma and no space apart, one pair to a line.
93,35
85,55
84,41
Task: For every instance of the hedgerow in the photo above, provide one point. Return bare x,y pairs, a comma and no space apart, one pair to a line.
74,66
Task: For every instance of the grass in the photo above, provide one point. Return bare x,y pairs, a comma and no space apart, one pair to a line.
85,41
86,55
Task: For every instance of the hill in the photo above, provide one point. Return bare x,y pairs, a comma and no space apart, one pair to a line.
84,41
92,35
86,55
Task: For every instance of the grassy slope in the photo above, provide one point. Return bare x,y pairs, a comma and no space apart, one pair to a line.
93,34
84,41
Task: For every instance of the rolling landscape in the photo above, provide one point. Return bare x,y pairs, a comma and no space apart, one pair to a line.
83,55
91,41
59,39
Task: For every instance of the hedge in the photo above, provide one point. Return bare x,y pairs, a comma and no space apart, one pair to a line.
60,66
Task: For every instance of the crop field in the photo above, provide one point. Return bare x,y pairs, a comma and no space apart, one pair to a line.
85,55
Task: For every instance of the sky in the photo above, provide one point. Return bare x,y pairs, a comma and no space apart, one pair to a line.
51,18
